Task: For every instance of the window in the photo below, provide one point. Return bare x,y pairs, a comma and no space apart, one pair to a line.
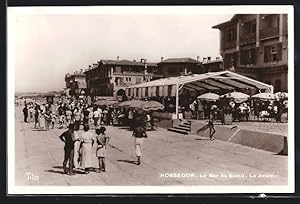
249,27
230,60
230,35
272,53
138,80
247,56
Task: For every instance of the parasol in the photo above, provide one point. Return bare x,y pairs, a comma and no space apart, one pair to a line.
105,103
124,103
264,96
209,97
152,105
136,103
237,96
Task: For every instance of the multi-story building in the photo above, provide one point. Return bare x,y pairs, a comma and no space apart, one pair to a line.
209,65
111,77
179,66
256,45
75,83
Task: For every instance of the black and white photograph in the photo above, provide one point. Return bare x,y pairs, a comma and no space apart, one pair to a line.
150,99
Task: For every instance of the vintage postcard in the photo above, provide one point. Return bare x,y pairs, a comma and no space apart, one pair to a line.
150,99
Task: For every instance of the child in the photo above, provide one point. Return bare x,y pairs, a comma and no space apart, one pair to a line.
53,119
102,141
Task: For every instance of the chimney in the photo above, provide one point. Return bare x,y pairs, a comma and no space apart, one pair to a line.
208,58
118,58
81,70
198,58
161,59
142,60
204,59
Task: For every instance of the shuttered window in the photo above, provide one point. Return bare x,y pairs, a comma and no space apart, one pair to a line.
273,53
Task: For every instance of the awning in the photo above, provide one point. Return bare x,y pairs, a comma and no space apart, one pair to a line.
208,82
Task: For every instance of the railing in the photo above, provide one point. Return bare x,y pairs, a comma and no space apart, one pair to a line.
230,44
248,38
268,32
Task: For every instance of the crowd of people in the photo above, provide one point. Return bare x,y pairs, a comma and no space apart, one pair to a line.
240,111
78,112
79,145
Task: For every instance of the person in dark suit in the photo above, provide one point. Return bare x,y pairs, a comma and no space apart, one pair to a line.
68,138
25,112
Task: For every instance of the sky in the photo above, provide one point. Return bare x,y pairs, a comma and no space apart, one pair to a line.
49,46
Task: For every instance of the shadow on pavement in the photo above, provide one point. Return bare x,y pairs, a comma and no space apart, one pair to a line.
38,130
54,171
127,161
203,139
57,167
76,171
125,128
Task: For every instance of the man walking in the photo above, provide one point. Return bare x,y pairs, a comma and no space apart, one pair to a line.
25,112
68,138
211,126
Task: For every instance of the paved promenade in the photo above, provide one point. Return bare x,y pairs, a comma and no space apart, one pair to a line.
168,159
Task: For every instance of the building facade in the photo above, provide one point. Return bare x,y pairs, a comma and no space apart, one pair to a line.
209,65
75,84
256,45
173,67
111,77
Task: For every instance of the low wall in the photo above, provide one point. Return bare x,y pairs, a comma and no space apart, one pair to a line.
260,140
163,120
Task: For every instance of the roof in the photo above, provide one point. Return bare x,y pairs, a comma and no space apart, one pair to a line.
179,60
126,62
226,23
212,61
207,82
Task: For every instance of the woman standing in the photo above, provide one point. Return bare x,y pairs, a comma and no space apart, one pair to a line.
87,139
102,141
139,133
37,117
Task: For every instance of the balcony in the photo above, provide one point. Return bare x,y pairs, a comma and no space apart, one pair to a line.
268,33
248,38
229,44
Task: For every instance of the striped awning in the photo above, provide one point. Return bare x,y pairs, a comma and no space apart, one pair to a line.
208,82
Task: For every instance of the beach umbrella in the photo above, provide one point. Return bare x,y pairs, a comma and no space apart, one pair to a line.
264,96
124,103
152,105
128,103
209,97
238,97
105,102
281,95
136,103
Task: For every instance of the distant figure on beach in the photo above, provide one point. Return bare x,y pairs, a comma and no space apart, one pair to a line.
25,112
211,126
